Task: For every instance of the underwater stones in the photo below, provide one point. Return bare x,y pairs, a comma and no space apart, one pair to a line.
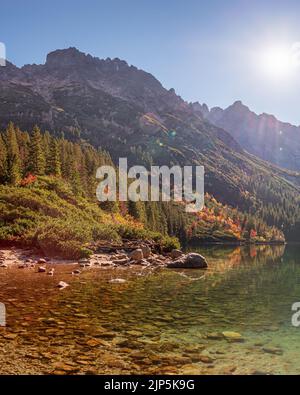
10,336
228,370
189,261
80,315
112,361
106,335
3,266
46,355
43,338
52,331
215,336
175,359
33,355
76,271
190,370
42,261
93,343
138,355
273,350
134,333
272,328
42,269
49,320
82,362
233,336
62,285
202,358
64,367
193,348
51,272
117,281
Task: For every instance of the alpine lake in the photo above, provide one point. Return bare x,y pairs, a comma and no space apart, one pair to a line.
233,318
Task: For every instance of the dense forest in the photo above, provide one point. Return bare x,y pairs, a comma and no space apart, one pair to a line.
47,194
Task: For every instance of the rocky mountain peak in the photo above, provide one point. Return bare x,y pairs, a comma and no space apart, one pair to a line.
200,109
67,57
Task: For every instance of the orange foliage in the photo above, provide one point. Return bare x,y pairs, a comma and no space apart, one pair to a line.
29,179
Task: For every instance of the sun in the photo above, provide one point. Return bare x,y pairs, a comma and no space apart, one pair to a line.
277,62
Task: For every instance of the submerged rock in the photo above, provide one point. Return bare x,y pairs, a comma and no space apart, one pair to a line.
273,350
190,261
42,269
117,281
215,336
4,265
233,336
62,285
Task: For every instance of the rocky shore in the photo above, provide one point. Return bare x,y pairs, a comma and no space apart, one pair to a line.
106,257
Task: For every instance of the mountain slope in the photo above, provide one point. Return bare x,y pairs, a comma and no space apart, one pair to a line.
262,135
128,112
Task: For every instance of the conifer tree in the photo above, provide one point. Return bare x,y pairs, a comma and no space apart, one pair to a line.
2,160
53,165
37,156
13,165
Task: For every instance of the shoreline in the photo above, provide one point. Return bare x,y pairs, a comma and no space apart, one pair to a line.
240,243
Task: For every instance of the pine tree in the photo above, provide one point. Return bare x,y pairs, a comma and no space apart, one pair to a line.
3,154
13,165
53,165
37,156
137,210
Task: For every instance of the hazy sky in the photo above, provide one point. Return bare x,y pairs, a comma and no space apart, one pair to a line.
209,51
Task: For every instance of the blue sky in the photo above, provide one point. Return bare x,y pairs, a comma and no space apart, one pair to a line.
209,51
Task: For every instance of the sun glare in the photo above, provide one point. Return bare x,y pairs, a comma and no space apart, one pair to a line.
277,62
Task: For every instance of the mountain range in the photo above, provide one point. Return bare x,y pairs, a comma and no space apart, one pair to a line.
128,112
262,135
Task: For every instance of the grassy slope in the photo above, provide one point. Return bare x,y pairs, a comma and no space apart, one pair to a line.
46,214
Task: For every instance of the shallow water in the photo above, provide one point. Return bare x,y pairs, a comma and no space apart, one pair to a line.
159,321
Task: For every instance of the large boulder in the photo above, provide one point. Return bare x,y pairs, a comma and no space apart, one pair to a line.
189,261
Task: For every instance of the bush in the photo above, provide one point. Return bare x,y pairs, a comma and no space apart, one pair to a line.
63,238
48,215
169,243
